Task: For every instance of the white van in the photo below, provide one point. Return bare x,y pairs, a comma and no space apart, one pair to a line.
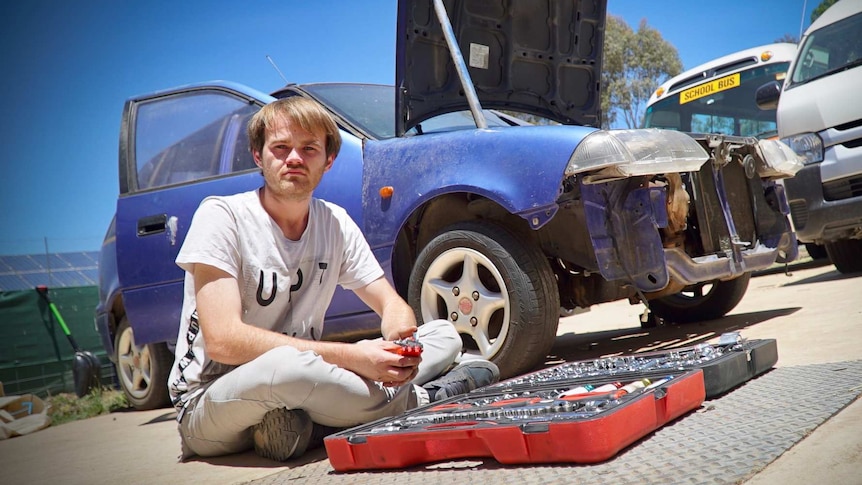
820,116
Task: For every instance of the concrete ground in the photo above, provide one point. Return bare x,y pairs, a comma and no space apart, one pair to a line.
813,312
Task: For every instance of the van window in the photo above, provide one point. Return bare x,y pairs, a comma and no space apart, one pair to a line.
834,48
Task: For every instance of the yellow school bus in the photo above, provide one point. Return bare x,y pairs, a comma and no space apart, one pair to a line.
718,96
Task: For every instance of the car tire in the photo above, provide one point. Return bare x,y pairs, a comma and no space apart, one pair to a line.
816,251
846,255
142,371
567,312
499,293
697,303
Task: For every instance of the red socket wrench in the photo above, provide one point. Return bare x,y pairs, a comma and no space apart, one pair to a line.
409,347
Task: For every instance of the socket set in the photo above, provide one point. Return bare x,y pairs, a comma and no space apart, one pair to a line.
726,364
565,420
575,412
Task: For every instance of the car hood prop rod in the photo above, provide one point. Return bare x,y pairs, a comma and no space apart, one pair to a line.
460,65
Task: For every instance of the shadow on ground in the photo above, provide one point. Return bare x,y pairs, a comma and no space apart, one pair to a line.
570,346
170,415
824,277
797,265
249,459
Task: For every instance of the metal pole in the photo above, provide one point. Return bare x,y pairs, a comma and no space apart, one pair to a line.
802,20
48,262
460,65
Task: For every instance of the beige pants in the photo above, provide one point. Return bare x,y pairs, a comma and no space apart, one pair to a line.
219,421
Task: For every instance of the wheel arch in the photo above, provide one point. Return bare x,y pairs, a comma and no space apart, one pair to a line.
108,320
430,217
118,311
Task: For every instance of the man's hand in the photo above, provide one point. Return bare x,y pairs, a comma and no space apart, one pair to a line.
397,319
379,361
409,346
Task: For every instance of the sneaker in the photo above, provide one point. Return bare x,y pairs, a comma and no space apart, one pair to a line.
465,377
282,434
320,432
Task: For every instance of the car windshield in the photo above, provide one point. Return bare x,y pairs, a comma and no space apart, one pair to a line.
371,108
834,48
729,112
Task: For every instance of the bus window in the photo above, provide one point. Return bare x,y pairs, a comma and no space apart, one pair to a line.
668,120
718,97
704,123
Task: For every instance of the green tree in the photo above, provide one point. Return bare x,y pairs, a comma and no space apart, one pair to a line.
635,63
788,38
818,11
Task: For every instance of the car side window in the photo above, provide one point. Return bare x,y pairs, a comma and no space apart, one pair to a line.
241,158
181,138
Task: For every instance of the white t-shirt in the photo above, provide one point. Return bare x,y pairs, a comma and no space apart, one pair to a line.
286,285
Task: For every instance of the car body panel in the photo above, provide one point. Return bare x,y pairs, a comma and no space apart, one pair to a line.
109,288
528,170
143,260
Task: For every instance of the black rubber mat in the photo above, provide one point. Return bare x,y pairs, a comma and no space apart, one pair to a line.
727,440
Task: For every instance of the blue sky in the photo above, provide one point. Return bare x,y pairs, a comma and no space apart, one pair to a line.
69,66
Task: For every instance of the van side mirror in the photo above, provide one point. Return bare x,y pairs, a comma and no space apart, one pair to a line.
767,95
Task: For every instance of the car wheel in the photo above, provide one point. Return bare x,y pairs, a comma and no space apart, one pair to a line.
567,312
816,251
499,293
846,255
703,301
142,370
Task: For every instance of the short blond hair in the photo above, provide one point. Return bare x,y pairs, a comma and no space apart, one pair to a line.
309,114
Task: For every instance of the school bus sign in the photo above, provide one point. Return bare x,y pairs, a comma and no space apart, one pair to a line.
712,87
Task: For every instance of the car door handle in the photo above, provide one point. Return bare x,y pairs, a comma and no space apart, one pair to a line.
152,224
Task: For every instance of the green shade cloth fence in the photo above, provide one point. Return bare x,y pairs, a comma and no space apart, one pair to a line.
35,356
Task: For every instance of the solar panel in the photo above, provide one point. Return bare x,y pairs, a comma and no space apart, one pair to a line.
80,260
91,275
13,282
67,278
35,279
22,272
25,263
57,262
44,261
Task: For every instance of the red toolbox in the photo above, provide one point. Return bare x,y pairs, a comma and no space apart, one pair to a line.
560,420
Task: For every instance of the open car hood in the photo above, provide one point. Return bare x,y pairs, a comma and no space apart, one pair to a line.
541,57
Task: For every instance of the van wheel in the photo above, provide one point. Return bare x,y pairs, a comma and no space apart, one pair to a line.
846,255
701,302
142,370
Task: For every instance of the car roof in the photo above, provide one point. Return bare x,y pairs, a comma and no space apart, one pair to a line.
538,58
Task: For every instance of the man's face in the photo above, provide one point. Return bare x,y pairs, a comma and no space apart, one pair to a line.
293,160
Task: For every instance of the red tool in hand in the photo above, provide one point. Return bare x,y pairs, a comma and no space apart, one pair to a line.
409,347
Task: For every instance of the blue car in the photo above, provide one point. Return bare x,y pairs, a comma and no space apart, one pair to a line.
494,223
